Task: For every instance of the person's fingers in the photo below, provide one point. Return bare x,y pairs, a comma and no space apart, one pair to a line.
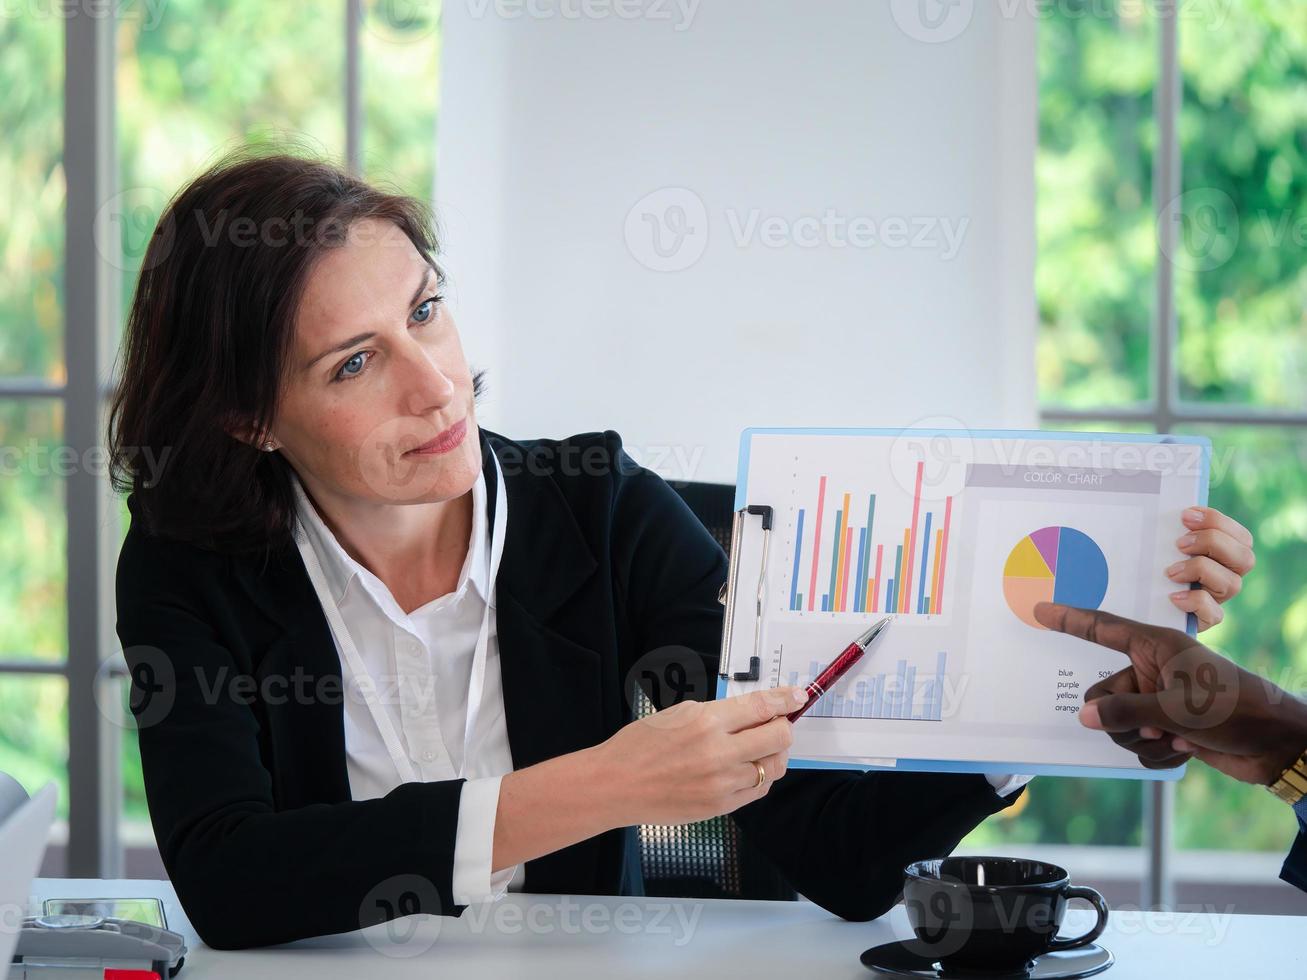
1108,630
757,707
1131,712
1198,518
1222,583
1156,750
1133,738
773,765
1202,604
1220,547
1147,742
1124,681
1145,748
1167,762
766,739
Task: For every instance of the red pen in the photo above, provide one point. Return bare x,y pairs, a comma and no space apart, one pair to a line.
839,667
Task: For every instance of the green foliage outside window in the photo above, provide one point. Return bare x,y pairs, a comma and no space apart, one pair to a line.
1241,292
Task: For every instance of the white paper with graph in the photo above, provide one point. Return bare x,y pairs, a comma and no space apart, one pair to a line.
955,535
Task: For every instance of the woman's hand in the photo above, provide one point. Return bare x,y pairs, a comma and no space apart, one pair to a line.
1220,551
695,760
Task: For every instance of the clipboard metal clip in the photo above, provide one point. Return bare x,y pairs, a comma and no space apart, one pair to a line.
726,594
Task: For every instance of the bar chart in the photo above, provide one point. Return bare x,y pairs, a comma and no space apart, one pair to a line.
904,694
953,536
848,571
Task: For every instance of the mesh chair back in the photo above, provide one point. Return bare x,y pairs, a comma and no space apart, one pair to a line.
709,858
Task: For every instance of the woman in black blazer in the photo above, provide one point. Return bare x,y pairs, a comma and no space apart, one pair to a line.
260,264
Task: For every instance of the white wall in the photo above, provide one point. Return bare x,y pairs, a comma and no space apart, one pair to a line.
812,122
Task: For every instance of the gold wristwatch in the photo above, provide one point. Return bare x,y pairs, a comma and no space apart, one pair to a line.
1292,784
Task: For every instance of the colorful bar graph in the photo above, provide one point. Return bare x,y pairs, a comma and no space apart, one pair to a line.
862,570
912,583
904,694
875,584
910,545
835,559
795,601
844,578
844,554
934,575
821,502
943,554
925,549
904,576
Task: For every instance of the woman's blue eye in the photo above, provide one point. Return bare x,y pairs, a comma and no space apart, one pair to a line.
426,309
345,371
354,366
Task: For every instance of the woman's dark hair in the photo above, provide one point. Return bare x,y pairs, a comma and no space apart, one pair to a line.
209,332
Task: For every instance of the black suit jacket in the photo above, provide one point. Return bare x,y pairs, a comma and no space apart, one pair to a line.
242,741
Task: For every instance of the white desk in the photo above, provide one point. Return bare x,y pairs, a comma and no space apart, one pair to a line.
541,936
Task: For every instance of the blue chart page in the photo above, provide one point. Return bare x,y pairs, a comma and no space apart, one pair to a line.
955,535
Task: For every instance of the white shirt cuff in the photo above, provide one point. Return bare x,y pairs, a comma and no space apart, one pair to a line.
1005,785
474,844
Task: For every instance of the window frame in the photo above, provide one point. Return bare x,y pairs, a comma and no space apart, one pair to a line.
90,316
1166,409
91,510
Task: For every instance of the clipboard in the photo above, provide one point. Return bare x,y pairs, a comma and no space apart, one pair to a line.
765,510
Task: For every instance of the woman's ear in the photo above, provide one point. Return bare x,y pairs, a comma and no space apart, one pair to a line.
242,431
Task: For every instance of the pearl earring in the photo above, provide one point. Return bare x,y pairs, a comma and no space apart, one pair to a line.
268,447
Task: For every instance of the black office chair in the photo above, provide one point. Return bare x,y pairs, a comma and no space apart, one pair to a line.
710,858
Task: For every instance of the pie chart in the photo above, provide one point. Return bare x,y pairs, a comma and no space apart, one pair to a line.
1054,564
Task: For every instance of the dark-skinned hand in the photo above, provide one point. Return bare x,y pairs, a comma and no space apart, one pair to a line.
1179,700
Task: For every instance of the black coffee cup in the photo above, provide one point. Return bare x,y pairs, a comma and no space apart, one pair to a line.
992,913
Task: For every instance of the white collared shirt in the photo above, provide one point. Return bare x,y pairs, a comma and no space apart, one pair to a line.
419,666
